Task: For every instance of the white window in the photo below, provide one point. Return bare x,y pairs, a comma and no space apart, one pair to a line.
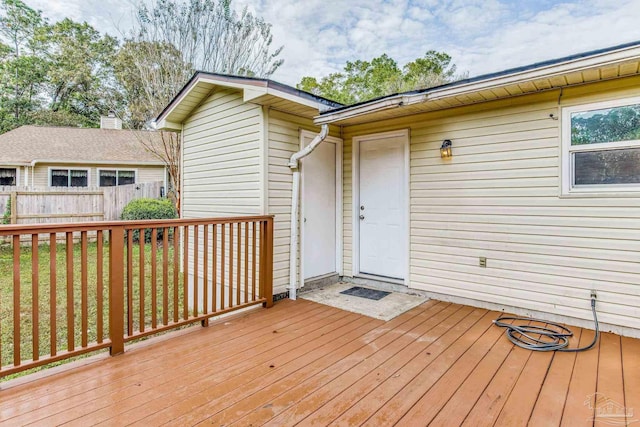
8,176
69,177
113,177
601,147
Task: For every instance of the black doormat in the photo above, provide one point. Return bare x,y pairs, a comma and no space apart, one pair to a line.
373,294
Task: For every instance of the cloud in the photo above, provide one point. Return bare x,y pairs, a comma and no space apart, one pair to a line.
110,16
561,30
319,36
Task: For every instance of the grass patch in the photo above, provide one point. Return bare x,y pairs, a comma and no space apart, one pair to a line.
59,290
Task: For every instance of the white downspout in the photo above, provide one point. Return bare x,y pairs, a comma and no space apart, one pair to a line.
295,203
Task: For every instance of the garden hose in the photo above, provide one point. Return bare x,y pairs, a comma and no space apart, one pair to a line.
551,337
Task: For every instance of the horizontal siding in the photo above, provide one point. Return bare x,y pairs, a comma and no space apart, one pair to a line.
498,197
284,141
222,160
145,173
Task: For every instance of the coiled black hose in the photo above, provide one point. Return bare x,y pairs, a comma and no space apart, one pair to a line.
552,337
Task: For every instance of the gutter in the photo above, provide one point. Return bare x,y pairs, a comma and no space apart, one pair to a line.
375,106
294,164
99,162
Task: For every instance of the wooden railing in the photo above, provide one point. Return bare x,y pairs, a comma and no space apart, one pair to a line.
69,289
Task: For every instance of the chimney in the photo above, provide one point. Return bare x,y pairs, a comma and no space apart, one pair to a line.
110,121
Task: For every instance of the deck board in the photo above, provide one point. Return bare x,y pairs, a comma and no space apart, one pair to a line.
458,406
393,370
551,399
583,383
307,364
631,369
316,393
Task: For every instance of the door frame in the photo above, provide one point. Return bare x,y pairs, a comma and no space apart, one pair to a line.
355,179
339,203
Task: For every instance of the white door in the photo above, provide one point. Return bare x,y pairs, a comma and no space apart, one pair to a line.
382,209
319,209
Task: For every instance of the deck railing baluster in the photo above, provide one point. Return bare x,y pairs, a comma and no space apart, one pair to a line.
214,269
130,282
141,305
246,262
53,300
185,274
253,261
205,270
196,243
35,287
71,345
99,286
230,265
16,301
165,276
239,266
84,293
154,278
176,272
222,264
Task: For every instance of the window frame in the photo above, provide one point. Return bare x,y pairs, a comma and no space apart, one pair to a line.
116,170
68,169
568,165
16,178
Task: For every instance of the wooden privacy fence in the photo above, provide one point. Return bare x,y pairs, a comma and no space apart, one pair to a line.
60,300
57,205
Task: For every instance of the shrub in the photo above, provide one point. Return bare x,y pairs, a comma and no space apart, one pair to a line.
140,209
6,218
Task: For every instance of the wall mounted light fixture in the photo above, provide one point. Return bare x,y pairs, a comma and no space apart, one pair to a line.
445,149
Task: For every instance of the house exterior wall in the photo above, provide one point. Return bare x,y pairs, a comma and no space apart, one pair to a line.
499,198
39,176
284,141
221,167
222,157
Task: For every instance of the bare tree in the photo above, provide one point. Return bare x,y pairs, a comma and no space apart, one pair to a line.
170,41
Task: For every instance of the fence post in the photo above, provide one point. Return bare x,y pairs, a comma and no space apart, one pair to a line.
266,262
14,207
116,290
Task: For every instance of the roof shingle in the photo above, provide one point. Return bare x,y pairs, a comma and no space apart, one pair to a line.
46,143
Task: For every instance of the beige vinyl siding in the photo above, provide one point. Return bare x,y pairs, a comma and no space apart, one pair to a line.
222,157
144,173
284,140
499,198
221,170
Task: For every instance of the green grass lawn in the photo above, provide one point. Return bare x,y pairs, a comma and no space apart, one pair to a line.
45,295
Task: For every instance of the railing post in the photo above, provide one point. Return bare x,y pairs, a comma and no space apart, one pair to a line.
116,290
266,262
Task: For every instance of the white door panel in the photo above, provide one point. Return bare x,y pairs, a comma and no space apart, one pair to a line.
382,205
319,212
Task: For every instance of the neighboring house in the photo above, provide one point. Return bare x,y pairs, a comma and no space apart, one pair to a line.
47,156
538,203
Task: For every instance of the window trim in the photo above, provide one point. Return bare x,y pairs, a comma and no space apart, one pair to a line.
17,178
116,170
69,169
567,162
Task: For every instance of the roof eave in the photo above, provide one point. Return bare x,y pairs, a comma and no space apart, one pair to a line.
14,164
252,89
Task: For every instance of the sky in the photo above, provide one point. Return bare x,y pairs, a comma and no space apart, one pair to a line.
481,36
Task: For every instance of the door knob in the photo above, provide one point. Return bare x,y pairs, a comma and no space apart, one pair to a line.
362,207
361,216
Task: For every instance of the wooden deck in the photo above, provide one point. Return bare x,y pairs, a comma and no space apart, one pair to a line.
303,363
